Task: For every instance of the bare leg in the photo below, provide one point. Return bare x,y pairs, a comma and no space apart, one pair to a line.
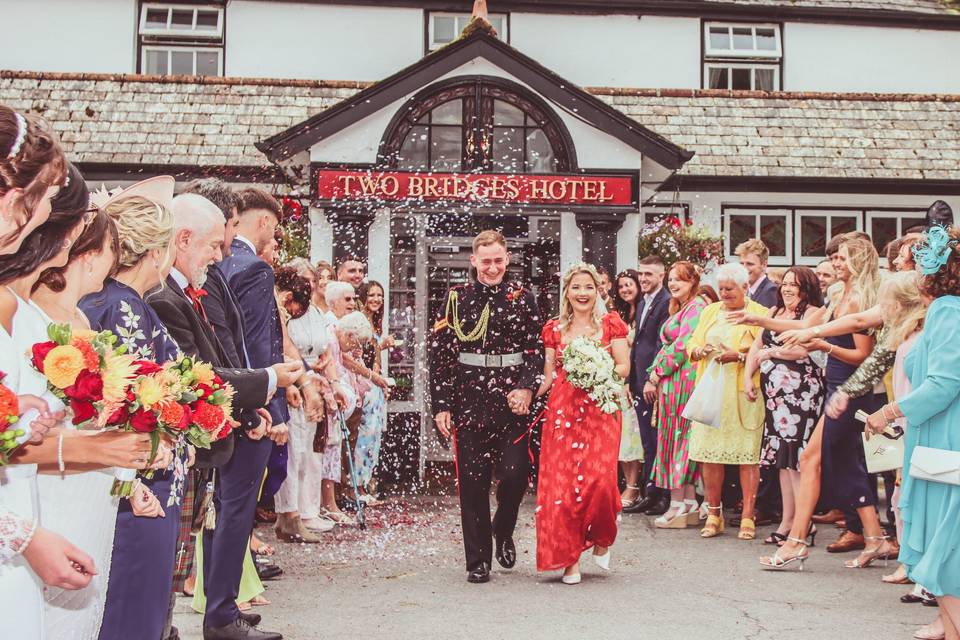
809,493
749,482
328,496
712,483
950,616
631,472
789,500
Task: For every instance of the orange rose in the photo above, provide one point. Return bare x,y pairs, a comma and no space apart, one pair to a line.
62,365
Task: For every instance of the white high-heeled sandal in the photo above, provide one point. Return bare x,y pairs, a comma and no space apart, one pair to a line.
603,561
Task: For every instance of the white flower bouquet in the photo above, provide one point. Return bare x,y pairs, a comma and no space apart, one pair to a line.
590,367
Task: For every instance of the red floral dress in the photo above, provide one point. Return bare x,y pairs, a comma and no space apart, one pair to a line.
577,496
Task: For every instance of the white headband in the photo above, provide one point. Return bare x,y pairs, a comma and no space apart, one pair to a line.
21,136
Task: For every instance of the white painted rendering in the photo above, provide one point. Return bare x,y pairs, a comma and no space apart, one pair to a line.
378,257
826,57
627,238
316,41
571,241
321,236
93,36
615,50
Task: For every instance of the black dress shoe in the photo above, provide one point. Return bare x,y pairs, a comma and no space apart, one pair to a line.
479,575
269,571
253,619
506,552
660,507
640,506
239,629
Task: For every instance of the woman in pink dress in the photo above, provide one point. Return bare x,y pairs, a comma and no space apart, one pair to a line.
577,497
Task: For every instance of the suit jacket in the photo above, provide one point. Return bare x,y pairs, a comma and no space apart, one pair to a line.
252,281
766,293
223,312
196,338
647,342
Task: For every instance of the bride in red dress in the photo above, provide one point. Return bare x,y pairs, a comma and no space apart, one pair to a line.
577,496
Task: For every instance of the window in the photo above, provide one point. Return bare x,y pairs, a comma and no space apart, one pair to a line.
681,211
772,226
816,228
886,226
444,28
742,56
181,40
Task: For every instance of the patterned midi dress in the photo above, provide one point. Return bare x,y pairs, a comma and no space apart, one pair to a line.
673,467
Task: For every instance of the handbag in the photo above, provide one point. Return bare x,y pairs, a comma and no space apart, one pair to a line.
706,402
935,465
884,452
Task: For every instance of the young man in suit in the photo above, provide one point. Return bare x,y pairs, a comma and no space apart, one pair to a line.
653,309
198,239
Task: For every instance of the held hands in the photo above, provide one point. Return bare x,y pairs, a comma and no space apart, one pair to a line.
650,391
57,562
42,425
312,403
444,423
287,372
261,429
279,433
144,504
837,404
749,389
519,401
294,399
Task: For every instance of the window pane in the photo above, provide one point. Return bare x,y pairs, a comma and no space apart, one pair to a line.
766,39
462,22
743,39
763,79
506,115
208,63
508,149
813,236
741,79
842,224
413,152
906,223
719,38
498,25
181,63
446,148
207,20
156,18
882,231
539,153
719,78
156,62
182,19
742,228
443,29
773,232
448,113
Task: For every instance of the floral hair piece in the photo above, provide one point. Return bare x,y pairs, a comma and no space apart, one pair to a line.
934,251
21,136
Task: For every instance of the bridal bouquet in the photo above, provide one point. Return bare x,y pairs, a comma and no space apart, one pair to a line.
590,367
12,435
206,401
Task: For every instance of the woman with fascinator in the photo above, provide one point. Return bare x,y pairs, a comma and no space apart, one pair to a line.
578,499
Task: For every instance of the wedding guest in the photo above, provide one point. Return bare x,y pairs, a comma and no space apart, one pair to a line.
577,495
631,444
932,410
669,385
373,424
791,388
325,275
825,276
652,312
754,255
718,341
351,269
605,288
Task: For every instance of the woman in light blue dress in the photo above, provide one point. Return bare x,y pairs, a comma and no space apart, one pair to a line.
930,547
374,407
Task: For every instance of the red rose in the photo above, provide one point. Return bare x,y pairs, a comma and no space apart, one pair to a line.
40,351
146,368
144,421
120,416
82,411
203,391
225,430
88,386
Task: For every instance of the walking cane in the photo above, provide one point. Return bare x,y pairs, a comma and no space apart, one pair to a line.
360,504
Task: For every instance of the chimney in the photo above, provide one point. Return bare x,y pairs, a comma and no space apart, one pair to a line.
479,20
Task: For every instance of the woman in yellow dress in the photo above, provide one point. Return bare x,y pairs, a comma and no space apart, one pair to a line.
717,342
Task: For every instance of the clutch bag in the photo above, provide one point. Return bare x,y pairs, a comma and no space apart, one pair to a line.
935,465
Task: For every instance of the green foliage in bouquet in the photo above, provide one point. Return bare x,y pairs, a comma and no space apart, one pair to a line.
674,241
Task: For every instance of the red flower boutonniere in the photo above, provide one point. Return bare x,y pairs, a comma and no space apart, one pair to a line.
515,294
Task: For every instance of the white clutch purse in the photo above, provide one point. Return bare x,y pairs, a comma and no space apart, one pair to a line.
935,465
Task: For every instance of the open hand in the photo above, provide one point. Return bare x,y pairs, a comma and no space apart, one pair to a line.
444,423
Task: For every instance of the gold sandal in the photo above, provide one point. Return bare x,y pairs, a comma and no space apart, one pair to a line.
715,524
748,529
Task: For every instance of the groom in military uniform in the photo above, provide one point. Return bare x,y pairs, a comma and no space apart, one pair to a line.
487,363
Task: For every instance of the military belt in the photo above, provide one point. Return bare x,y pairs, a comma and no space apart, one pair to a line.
491,361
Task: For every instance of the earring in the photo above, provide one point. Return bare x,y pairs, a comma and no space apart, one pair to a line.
156,265
66,244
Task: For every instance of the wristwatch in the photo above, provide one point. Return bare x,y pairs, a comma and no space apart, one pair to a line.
816,331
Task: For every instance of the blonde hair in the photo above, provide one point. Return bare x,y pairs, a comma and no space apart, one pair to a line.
488,237
302,266
322,266
903,288
142,226
863,263
754,246
566,309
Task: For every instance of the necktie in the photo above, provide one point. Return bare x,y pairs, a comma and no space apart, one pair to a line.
195,295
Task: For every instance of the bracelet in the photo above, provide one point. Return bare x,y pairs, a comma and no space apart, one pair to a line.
60,464
830,350
816,331
883,414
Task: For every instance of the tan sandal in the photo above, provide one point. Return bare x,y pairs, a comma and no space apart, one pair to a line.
748,529
714,525
259,601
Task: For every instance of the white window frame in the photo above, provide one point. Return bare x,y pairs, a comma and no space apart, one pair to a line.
432,45
745,210
898,215
170,32
741,65
829,214
709,52
165,47
681,210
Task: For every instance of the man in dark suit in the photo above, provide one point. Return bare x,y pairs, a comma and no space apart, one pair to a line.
653,309
198,237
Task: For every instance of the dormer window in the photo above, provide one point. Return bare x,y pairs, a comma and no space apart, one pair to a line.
745,57
181,40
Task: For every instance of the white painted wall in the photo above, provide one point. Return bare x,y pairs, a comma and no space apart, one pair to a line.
615,50
321,236
824,57
627,238
94,36
303,40
571,241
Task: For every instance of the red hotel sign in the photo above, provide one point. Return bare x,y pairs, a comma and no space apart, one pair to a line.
484,188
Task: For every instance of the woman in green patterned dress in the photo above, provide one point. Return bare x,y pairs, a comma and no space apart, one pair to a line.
671,382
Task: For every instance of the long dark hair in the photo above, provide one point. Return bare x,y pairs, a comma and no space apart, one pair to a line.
626,309
46,241
287,279
376,319
810,293
97,236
